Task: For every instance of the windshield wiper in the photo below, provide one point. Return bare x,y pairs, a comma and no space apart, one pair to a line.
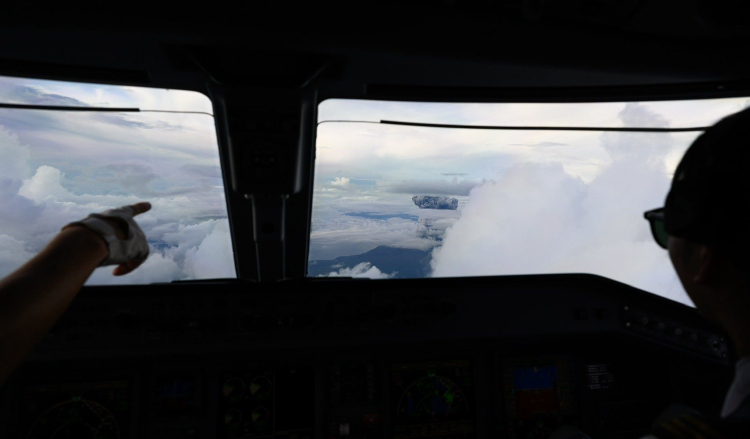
524,128
94,109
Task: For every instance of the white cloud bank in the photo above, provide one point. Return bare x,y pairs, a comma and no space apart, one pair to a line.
341,182
210,258
362,270
539,219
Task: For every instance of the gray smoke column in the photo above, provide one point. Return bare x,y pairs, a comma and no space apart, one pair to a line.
431,202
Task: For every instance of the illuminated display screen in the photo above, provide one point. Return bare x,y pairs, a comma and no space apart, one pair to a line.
535,391
433,399
540,396
176,395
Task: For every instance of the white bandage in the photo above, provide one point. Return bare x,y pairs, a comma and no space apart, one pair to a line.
133,247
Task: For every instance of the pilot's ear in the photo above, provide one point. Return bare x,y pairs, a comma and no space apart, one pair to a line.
707,265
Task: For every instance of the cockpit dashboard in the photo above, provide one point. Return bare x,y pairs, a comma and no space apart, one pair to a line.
510,357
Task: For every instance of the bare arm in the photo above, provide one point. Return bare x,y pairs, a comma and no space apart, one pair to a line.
34,297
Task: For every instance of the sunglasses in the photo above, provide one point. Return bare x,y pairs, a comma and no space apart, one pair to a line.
656,219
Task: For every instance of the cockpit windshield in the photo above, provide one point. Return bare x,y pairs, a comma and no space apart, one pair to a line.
70,149
408,190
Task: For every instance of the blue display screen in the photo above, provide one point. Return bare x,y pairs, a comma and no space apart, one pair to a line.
531,378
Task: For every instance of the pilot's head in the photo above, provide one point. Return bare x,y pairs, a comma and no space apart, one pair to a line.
705,222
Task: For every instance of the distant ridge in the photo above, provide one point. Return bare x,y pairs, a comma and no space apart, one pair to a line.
406,262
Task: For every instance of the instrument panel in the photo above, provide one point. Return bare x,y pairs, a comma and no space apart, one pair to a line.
361,363
400,394
68,410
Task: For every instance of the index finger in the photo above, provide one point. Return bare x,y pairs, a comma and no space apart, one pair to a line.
141,207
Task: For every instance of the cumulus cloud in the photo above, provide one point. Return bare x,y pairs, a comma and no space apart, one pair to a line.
539,219
342,182
157,268
45,183
520,216
362,270
204,254
210,258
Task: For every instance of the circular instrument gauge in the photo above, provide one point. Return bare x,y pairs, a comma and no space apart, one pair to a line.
233,389
260,415
260,386
77,418
233,418
432,397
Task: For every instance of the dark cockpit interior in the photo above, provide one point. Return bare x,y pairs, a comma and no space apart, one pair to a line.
283,351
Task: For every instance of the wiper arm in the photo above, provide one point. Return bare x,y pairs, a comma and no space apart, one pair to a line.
546,128
94,109
524,128
65,108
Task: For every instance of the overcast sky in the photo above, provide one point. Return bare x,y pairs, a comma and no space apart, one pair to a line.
529,201
57,167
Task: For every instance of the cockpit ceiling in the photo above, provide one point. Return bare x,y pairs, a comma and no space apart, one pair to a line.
441,44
